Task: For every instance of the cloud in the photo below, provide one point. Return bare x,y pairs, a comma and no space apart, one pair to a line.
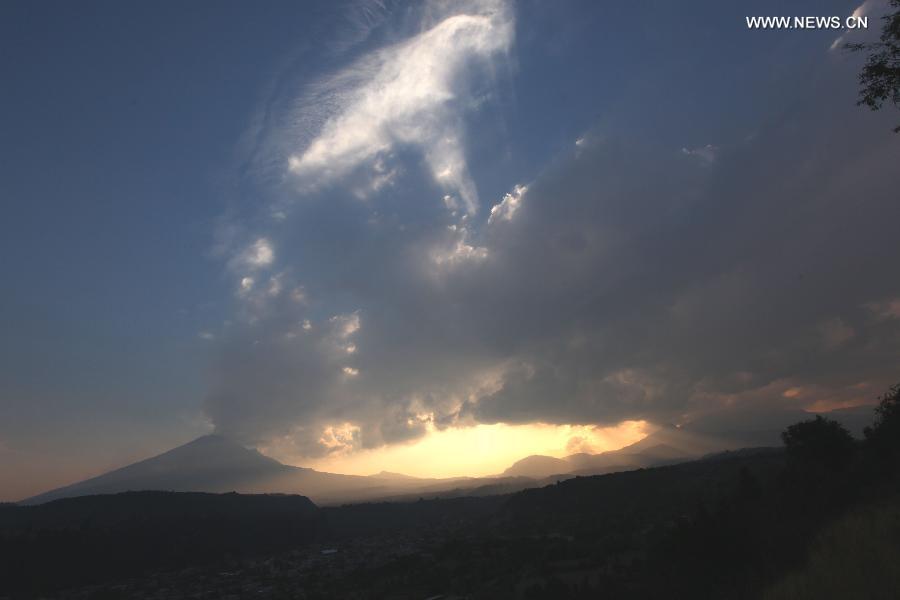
629,282
707,154
457,249
507,207
885,309
836,333
255,256
866,8
410,94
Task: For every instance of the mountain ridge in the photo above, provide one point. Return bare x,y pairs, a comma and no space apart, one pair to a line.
215,463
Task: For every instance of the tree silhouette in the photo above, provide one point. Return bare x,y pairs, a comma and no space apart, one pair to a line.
880,77
884,434
818,441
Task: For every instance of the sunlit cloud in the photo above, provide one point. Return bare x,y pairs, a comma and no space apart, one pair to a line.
257,255
459,249
345,325
405,95
862,10
506,208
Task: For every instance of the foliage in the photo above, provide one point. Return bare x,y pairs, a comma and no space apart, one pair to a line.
886,428
880,77
883,437
856,557
819,441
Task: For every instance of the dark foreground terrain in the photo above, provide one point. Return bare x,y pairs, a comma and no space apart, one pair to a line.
816,519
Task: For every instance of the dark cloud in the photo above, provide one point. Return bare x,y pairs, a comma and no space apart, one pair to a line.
634,280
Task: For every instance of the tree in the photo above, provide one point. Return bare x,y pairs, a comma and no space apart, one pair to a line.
818,441
880,78
884,434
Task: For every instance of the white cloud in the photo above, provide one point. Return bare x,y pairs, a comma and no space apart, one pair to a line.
404,96
298,295
707,154
257,255
451,203
345,325
460,250
382,177
507,207
275,285
861,11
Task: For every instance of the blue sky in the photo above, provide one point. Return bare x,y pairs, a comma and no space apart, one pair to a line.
275,220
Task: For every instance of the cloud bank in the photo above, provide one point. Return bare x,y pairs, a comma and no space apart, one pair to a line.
628,280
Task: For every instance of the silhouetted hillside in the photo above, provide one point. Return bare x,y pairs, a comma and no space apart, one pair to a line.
88,539
734,524
112,537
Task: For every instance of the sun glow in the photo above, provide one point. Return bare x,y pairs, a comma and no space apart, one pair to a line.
480,450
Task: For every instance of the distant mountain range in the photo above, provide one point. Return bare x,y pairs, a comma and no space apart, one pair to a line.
670,444
667,445
214,463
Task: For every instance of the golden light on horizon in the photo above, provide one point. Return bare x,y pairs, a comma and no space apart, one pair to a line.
479,450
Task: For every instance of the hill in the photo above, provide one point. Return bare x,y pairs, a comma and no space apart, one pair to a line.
90,539
672,444
538,467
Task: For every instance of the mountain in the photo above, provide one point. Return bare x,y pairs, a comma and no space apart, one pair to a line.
538,467
713,433
215,463
390,476
667,445
210,463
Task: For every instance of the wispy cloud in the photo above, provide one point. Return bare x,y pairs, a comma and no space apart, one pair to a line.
409,95
707,154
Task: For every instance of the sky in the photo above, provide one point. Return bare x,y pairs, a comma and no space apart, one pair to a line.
430,237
